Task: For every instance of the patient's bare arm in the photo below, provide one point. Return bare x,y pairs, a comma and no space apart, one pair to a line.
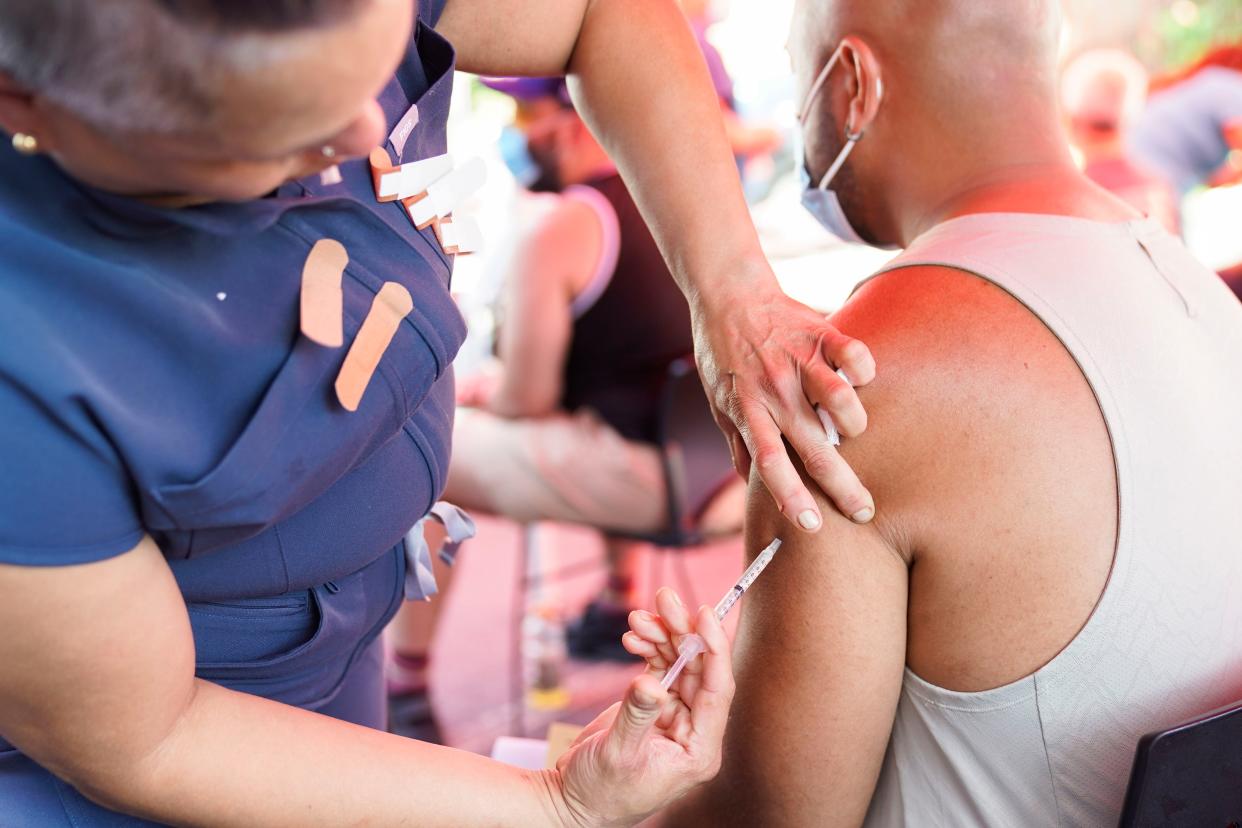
819,658
995,525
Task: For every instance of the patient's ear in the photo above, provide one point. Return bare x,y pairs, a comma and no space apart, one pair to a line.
867,87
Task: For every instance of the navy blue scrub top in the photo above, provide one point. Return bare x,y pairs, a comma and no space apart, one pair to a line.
153,380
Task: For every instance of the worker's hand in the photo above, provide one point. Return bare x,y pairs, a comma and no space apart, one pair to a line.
650,749
655,638
766,361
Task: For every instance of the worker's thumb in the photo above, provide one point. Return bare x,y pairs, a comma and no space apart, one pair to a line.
639,712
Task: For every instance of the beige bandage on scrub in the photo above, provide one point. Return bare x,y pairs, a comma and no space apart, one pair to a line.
322,316
442,196
390,306
459,235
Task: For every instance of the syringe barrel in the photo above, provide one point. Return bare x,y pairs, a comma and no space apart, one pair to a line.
726,603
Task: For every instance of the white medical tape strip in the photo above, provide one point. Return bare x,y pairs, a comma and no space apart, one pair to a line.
461,235
414,177
443,195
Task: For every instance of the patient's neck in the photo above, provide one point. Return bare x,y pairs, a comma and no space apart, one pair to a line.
1043,179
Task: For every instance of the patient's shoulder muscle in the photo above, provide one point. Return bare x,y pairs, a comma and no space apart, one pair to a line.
991,462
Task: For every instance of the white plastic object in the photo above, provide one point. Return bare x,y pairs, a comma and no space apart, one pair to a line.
461,234
414,177
446,193
692,644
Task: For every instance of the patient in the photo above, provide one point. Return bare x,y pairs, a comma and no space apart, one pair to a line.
1102,91
592,321
1053,445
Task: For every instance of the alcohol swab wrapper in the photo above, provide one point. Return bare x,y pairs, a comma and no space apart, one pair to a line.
830,428
694,644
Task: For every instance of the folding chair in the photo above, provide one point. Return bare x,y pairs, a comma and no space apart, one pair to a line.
1189,775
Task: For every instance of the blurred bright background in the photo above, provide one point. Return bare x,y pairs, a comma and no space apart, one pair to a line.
813,267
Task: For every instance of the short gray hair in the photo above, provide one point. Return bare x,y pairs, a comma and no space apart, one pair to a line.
146,64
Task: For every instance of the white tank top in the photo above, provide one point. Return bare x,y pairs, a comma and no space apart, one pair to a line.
1159,339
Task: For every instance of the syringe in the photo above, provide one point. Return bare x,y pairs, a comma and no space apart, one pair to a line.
693,644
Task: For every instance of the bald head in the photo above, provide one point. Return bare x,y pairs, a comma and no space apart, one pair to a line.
945,51
960,85
1103,89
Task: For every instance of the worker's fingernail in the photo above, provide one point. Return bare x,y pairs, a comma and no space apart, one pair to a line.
809,519
672,593
863,515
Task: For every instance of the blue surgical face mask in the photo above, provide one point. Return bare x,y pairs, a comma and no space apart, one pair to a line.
533,165
818,199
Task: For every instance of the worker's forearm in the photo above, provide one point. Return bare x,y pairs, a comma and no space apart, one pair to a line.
236,759
639,79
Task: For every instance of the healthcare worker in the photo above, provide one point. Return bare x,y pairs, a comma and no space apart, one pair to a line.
226,397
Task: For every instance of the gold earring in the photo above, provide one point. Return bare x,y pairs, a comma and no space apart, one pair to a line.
25,144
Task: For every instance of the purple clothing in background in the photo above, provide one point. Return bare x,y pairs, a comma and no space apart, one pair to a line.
715,63
1181,134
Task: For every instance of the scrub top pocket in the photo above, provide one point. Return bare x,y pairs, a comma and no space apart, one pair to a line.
253,630
306,641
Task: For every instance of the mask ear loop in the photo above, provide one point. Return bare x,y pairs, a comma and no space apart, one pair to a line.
851,140
820,80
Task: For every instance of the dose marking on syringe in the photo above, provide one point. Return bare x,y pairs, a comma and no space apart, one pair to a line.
685,652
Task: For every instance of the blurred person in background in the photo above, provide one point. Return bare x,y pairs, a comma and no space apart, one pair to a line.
1102,91
1054,445
1191,129
564,429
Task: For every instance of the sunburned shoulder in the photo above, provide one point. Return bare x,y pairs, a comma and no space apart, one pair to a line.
971,391
992,472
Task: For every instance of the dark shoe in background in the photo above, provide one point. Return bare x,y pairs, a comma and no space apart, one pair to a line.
596,636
